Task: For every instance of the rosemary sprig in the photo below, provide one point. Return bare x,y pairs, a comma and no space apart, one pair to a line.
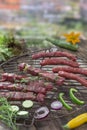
6,115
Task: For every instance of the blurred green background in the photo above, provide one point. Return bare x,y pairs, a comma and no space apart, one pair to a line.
42,18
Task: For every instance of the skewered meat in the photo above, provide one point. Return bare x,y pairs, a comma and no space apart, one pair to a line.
53,78
22,66
58,61
11,77
73,77
33,86
41,83
54,54
5,83
70,70
40,97
29,69
20,96
25,88
49,76
48,86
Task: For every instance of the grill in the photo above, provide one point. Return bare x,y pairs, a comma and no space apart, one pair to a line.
62,115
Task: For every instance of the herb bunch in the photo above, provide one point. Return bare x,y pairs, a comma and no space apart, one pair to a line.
7,116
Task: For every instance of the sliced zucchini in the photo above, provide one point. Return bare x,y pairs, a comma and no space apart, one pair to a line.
14,108
22,113
27,104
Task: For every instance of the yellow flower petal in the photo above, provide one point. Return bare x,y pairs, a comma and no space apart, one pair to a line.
72,37
66,35
78,34
72,34
68,40
78,40
73,42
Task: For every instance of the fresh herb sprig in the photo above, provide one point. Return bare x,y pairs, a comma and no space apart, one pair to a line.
6,115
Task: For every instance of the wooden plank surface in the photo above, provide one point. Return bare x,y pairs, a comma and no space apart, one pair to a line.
49,125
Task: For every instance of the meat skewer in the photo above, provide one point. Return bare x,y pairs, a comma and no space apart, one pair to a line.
53,78
37,87
20,96
49,76
73,77
54,54
5,83
11,77
58,61
40,83
70,70
27,81
33,86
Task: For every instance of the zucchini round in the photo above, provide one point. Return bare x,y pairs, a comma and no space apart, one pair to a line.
27,104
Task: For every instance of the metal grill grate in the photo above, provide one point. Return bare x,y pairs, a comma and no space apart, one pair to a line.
11,67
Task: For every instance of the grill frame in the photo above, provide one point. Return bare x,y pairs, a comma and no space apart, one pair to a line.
10,66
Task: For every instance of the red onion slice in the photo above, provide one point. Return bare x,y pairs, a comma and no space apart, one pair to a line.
56,105
41,113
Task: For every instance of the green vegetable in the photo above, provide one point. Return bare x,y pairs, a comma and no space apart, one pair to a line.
23,80
75,99
6,115
26,80
27,104
63,102
10,46
63,44
5,53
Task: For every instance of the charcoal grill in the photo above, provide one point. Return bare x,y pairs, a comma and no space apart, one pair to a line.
61,115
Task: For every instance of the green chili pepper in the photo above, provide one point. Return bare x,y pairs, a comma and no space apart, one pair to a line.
75,99
63,44
63,102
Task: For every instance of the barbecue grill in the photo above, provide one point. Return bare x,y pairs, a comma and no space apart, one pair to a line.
63,115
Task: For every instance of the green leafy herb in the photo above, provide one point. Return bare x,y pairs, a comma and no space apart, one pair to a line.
6,115
5,53
10,46
24,80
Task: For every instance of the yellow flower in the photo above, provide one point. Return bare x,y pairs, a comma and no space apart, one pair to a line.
72,37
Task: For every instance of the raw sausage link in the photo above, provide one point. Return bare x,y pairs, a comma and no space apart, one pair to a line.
58,61
70,70
73,77
54,54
